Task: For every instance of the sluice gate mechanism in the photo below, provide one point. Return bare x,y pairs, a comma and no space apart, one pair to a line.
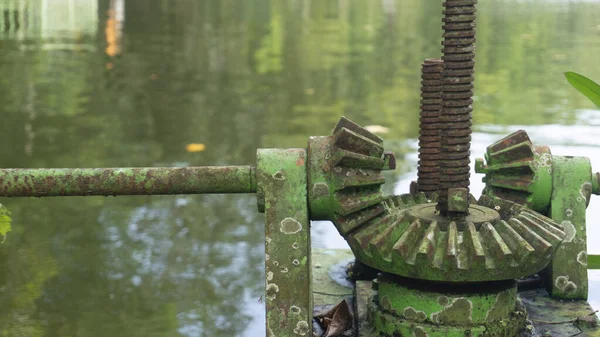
445,264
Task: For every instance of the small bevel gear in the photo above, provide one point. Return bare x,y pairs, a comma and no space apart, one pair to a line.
519,171
345,175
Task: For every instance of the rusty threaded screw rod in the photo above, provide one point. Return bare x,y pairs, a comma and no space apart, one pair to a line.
457,93
428,171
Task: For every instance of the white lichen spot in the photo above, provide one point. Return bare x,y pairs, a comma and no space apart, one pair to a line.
582,258
267,257
563,284
579,199
420,332
301,328
320,190
275,263
338,169
284,270
570,230
569,212
295,245
268,240
271,291
295,310
278,175
497,208
269,276
295,262
585,191
290,226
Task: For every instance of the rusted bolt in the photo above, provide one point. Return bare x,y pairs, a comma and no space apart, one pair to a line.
457,92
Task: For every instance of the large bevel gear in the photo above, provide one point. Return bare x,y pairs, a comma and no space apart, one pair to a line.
499,240
405,235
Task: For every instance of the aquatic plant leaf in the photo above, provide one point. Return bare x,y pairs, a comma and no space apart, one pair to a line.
5,221
585,86
593,261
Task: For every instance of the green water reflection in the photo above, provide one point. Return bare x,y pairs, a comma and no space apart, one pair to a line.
113,83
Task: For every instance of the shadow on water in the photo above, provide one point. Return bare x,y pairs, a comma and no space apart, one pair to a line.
109,83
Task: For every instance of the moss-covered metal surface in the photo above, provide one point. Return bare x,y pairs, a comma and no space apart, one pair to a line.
541,314
517,170
567,273
415,308
126,181
443,303
505,241
345,172
282,181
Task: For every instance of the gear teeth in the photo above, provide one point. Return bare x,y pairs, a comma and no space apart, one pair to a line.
408,200
426,249
510,181
543,222
499,255
353,177
352,199
404,246
473,247
451,260
347,224
541,246
420,198
379,247
550,236
350,125
515,242
357,160
349,140
516,171
363,238
414,247
514,138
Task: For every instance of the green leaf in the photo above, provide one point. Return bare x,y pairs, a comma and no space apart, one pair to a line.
5,221
585,86
593,261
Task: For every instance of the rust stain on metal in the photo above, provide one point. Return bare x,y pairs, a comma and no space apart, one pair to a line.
126,181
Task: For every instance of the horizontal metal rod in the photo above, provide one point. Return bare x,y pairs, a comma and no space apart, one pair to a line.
127,181
593,261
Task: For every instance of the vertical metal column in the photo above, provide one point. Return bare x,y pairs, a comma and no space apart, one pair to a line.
282,182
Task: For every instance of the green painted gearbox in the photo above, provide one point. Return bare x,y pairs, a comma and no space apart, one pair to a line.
406,307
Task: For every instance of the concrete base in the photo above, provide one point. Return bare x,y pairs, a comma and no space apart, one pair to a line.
545,316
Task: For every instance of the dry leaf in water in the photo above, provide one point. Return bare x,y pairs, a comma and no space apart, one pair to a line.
337,320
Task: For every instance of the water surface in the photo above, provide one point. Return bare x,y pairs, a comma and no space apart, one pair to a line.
112,83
